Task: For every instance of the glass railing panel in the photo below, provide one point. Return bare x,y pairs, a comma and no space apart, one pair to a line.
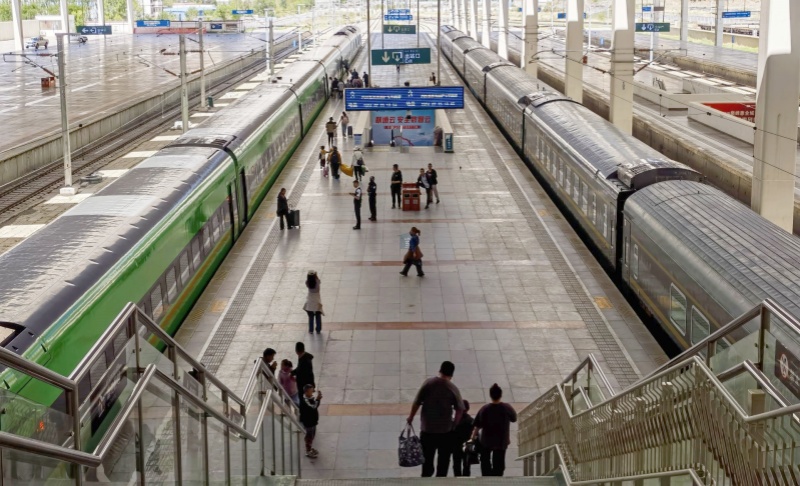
27,418
216,451
286,433
741,350
31,470
192,447
237,455
782,359
119,466
739,387
268,441
159,447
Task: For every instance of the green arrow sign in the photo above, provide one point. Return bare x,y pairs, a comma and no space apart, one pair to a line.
652,27
390,57
399,29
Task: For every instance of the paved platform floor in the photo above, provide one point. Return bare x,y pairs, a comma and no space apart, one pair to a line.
510,295
101,75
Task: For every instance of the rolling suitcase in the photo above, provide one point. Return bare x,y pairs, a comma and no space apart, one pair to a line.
350,131
293,218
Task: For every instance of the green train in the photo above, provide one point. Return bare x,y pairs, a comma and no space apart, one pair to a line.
157,234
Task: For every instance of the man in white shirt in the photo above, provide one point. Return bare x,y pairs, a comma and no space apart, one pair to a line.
357,205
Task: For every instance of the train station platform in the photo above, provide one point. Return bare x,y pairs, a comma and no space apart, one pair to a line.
103,75
510,293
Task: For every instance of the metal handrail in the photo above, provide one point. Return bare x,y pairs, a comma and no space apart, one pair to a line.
639,477
590,363
150,374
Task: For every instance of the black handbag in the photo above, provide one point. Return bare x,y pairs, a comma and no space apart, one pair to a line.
472,452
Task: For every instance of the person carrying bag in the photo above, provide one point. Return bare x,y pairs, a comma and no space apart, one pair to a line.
409,449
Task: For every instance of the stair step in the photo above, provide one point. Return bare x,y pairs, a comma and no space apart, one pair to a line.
471,481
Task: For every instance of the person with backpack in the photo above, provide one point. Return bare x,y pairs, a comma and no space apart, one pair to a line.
344,120
423,182
335,160
330,129
358,164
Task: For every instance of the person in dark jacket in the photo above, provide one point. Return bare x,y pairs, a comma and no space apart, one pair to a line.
304,372
309,417
372,192
433,178
423,182
397,186
365,76
283,208
461,434
494,421
335,161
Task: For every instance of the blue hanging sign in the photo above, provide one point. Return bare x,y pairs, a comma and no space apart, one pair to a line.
741,14
242,12
152,23
428,97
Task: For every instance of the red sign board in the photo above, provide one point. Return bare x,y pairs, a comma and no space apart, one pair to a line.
745,111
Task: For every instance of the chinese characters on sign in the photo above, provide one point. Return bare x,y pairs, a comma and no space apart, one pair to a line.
409,128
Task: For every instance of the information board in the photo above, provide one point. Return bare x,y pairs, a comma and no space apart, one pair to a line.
433,97
399,29
94,29
405,127
652,26
741,14
242,12
152,23
647,8
390,57
390,18
399,11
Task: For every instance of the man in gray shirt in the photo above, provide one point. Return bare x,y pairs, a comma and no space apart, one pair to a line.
438,397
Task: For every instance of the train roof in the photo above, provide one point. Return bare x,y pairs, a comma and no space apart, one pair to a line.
721,241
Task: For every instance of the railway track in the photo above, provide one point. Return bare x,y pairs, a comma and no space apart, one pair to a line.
31,189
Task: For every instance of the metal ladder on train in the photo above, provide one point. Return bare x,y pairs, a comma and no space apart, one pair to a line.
140,409
723,412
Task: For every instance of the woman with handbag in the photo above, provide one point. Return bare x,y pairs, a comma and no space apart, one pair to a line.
283,208
414,254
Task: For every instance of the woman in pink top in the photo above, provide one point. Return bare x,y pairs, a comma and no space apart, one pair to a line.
288,382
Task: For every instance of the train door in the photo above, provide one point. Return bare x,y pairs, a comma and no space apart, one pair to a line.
624,265
241,196
233,207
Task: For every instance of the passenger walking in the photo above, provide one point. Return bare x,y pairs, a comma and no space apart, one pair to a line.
330,129
334,87
494,422
335,160
313,305
424,183
433,178
344,120
268,356
372,193
357,204
283,208
461,434
358,163
365,76
288,382
438,397
304,371
323,154
432,79
309,417
414,255
397,186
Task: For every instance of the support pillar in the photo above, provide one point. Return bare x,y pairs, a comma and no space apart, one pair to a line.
457,21
486,28
101,12
718,31
502,29
16,20
623,33
64,12
473,19
573,79
453,13
684,24
530,36
778,80
131,12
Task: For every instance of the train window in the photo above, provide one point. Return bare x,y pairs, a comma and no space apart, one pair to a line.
197,255
186,271
217,226
605,221
568,181
172,285
157,302
635,262
585,198
207,240
225,214
576,193
593,214
701,328
677,309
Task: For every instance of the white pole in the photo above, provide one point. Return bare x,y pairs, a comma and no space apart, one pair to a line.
184,86
271,47
203,103
16,18
67,190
